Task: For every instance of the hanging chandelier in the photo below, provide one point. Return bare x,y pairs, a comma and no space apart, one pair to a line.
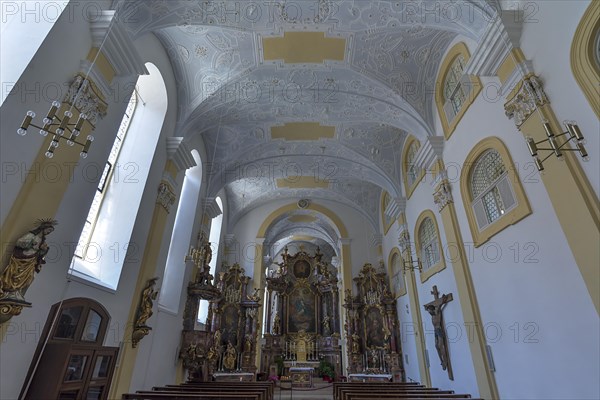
61,129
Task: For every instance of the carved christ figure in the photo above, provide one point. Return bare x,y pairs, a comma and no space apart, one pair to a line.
435,309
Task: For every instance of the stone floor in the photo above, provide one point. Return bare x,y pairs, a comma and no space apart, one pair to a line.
321,391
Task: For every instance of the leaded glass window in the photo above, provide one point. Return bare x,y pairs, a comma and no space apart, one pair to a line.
428,240
454,92
491,190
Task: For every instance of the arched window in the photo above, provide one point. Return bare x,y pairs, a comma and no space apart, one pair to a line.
396,271
107,175
492,193
412,174
108,233
456,90
490,189
428,246
170,290
385,219
428,241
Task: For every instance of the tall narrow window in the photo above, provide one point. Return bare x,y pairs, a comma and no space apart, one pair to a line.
428,241
214,238
107,242
397,270
454,92
490,189
412,172
170,290
105,179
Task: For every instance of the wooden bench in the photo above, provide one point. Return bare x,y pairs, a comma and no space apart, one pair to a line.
207,390
382,390
187,396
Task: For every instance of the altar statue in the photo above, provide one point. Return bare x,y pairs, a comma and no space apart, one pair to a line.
26,260
229,357
277,324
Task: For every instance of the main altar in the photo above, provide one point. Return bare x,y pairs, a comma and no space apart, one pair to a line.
302,317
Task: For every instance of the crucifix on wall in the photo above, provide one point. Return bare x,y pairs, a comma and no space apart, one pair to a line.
435,308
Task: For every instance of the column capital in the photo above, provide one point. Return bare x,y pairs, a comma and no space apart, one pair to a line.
166,197
343,241
501,37
210,207
525,102
431,150
395,207
442,195
376,239
179,153
110,34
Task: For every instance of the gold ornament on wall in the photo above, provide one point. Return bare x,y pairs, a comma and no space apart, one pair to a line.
26,260
144,312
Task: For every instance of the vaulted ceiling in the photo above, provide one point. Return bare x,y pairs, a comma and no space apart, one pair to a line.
306,99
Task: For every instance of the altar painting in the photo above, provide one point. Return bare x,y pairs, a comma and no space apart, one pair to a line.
302,310
301,269
230,324
374,327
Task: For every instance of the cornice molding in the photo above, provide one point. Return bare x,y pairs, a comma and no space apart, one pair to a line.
502,35
117,46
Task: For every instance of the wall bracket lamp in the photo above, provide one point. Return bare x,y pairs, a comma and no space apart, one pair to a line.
575,135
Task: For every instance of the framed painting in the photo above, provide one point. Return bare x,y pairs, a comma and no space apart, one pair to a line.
302,310
374,327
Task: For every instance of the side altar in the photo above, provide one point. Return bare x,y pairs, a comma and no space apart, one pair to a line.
226,350
302,315
374,351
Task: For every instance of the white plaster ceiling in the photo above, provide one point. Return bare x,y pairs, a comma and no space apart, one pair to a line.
382,90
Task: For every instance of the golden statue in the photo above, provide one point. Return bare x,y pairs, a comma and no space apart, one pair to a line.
355,344
26,260
146,303
248,344
217,339
229,357
277,324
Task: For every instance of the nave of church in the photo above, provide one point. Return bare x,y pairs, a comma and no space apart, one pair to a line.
312,199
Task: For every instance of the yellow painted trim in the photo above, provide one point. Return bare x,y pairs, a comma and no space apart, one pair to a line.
523,208
455,51
467,298
124,373
396,251
441,265
302,131
585,69
410,140
302,182
292,207
575,204
102,63
512,60
415,310
304,47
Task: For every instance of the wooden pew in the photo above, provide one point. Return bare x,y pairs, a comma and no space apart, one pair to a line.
267,387
187,396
